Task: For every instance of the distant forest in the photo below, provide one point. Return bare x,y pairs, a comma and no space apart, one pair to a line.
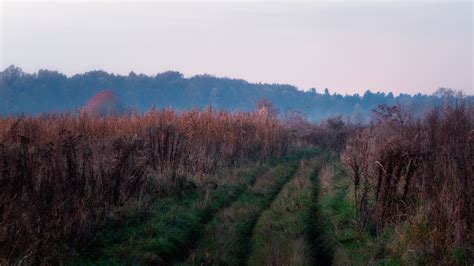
50,91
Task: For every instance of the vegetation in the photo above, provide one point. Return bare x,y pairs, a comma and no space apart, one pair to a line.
279,235
51,91
226,238
62,175
210,187
412,183
321,247
349,244
171,227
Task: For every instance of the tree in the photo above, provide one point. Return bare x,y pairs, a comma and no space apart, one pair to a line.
103,103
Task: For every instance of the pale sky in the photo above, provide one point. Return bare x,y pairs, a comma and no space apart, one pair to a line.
344,46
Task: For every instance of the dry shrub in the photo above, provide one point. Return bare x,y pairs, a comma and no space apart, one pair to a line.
60,175
403,166
331,133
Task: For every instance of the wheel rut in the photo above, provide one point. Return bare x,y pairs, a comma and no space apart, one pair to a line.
226,239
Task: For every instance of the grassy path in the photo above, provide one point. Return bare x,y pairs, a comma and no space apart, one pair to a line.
291,231
226,238
317,236
207,228
279,236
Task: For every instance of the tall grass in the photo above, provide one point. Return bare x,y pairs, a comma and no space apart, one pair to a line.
60,175
419,173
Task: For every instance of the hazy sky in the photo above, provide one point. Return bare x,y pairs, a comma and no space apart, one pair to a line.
345,46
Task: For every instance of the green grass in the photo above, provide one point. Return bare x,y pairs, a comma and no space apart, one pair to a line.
406,242
169,228
279,236
226,238
316,235
173,222
351,245
173,225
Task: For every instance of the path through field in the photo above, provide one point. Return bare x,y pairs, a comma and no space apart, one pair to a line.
265,220
279,235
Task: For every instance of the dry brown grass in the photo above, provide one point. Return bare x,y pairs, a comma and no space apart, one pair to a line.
60,175
406,168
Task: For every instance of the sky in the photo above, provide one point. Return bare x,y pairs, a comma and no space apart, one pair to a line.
346,46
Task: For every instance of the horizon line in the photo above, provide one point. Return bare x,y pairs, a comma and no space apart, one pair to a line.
186,76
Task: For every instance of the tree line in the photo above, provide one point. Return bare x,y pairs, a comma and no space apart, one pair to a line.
51,91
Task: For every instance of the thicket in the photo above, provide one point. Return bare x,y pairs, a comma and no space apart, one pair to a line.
62,175
416,177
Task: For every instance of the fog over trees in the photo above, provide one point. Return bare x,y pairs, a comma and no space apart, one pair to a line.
51,91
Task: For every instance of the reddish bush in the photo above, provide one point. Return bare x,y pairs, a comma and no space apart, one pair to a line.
105,102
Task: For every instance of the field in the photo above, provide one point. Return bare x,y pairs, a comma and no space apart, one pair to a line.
216,188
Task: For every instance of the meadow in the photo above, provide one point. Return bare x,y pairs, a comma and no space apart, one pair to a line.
244,188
